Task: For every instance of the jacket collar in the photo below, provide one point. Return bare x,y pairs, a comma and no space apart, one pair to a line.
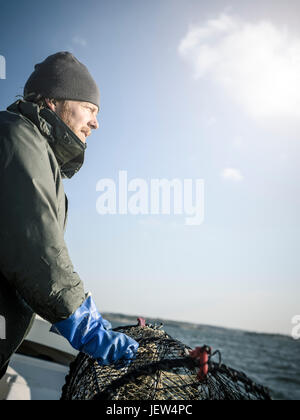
67,147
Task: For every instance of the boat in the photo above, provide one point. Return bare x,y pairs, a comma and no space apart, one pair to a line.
46,367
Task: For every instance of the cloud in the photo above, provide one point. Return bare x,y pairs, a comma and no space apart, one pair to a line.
258,64
79,41
232,174
211,121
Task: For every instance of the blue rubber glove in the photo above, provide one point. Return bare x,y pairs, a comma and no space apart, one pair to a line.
106,324
86,331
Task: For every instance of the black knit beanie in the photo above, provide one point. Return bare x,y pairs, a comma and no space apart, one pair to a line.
62,76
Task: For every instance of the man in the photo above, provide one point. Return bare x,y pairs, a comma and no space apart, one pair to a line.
42,140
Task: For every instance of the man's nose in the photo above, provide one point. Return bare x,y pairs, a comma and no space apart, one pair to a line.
94,123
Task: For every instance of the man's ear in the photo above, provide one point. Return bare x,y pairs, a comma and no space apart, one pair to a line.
51,103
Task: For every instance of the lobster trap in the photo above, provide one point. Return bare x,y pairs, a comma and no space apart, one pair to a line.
164,369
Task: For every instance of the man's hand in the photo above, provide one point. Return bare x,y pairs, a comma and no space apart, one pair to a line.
88,332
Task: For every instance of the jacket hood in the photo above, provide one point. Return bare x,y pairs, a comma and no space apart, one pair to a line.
69,150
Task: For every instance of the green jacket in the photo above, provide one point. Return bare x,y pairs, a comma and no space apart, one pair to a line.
37,150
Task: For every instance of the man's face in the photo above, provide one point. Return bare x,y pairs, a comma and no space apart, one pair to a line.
80,117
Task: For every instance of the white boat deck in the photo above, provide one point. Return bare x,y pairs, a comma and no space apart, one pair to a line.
32,378
28,378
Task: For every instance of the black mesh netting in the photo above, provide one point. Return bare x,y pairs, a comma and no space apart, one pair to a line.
162,370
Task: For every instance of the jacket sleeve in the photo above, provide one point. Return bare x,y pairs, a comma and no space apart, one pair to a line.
33,254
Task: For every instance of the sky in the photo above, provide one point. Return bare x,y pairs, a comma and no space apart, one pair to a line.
207,93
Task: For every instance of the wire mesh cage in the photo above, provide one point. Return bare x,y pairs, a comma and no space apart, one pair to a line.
164,369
